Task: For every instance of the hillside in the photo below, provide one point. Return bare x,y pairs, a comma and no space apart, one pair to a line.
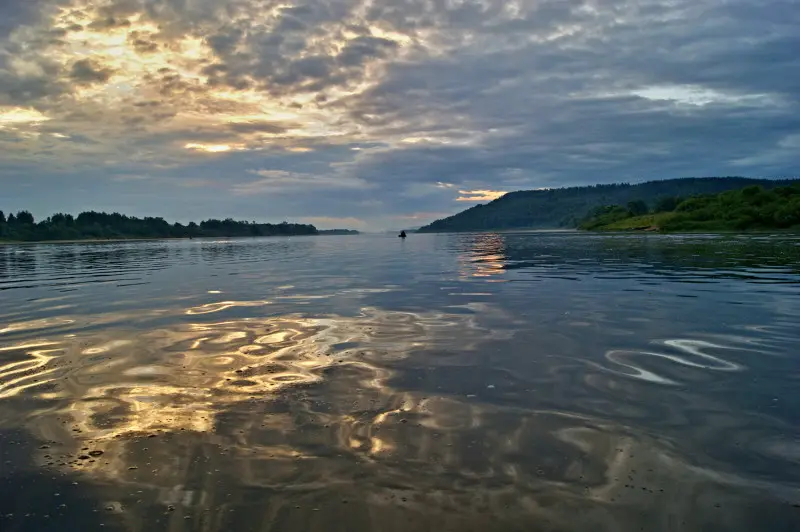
565,207
750,208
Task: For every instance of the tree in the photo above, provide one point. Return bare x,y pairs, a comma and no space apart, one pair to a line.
12,219
62,219
637,207
25,217
2,217
666,204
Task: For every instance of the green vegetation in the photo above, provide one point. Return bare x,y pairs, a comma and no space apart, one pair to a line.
750,208
566,207
22,227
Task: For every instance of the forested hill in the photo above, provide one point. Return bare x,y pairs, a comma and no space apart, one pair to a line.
750,208
99,225
565,207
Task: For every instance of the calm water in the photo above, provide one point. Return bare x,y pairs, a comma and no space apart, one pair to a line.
492,382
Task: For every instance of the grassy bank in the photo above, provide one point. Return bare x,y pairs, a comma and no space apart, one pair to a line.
749,209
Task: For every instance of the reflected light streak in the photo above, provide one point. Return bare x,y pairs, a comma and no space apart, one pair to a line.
34,371
484,257
211,308
180,380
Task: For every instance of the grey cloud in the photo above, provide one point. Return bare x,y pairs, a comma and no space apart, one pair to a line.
177,18
11,137
153,117
15,13
87,72
543,94
285,56
289,23
362,48
145,47
108,23
171,83
149,103
259,127
224,42
120,9
80,139
315,67
143,43
28,90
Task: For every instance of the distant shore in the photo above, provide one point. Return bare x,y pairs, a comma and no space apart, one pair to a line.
132,239
752,208
86,240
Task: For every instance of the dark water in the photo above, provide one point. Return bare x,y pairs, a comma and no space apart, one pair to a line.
531,381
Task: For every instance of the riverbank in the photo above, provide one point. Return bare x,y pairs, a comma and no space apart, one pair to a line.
119,240
84,241
749,209
673,224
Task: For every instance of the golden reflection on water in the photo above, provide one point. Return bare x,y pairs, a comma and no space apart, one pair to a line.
310,409
15,377
484,257
111,386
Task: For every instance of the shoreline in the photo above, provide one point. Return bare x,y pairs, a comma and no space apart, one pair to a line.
83,241
658,231
142,239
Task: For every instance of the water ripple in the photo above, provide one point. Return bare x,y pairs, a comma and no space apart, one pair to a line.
460,382
692,354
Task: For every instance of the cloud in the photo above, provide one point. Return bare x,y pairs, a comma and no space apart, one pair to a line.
480,195
18,116
282,180
109,23
209,148
332,222
387,109
272,128
87,72
142,43
364,48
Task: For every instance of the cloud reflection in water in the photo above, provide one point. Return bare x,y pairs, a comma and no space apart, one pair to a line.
506,413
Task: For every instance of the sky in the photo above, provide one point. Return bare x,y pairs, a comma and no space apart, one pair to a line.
371,114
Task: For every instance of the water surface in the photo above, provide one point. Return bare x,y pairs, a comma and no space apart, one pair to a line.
471,382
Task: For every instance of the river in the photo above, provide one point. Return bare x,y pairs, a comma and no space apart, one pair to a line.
549,381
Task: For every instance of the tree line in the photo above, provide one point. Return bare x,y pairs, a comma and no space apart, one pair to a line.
23,227
748,208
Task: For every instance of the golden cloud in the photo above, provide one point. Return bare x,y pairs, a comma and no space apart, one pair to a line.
129,77
18,116
210,148
480,195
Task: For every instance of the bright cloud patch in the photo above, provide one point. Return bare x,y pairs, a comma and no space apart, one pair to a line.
18,116
209,148
480,195
694,95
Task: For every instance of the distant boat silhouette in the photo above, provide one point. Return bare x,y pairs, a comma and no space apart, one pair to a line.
402,234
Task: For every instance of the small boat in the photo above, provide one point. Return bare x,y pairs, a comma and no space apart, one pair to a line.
402,234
